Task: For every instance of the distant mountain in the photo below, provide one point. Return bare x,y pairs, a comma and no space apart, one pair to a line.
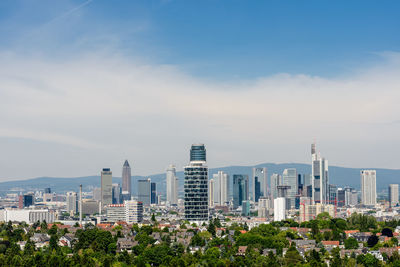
338,175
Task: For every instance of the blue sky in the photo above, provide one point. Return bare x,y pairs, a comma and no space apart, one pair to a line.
211,39
88,84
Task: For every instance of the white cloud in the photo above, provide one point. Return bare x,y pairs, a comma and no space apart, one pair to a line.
111,108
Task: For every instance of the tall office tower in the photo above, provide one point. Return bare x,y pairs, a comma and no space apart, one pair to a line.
320,179
196,185
26,200
221,188
106,187
350,196
393,194
133,211
246,208
72,202
276,180
307,180
300,184
47,190
211,193
307,187
368,187
263,207
97,193
259,183
240,189
144,191
116,194
172,186
341,197
289,178
153,197
280,209
332,194
127,178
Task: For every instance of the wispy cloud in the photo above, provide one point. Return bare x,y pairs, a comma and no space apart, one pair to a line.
152,113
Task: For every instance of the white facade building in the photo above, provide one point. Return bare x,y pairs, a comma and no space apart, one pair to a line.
28,216
368,187
393,194
279,209
211,192
115,213
221,189
133,211
172,186
72,202
320,178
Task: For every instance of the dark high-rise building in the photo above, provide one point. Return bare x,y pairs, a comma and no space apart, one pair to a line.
299,184
153,193
256,189
47,190
198,153
144,191
240,189
340,197
28,200
126,179
196,186
260,180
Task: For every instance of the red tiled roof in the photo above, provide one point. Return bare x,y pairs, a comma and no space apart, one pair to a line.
351,231
330,243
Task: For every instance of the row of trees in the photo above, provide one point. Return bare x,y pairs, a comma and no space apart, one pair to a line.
96,247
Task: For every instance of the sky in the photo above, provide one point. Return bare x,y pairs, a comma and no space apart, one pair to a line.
85,85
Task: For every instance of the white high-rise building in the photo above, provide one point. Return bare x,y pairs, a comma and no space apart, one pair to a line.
393,194
289,178
211,193
133,211
368,187
279,209
276,180
172,186
259,183
221,188
320,178
72,202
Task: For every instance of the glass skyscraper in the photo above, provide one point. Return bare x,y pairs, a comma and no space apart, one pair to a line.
259,183
240,189
289,178
172,186
198,153
196,185
144,191
320,178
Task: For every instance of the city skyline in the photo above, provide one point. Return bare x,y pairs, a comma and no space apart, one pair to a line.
145,65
